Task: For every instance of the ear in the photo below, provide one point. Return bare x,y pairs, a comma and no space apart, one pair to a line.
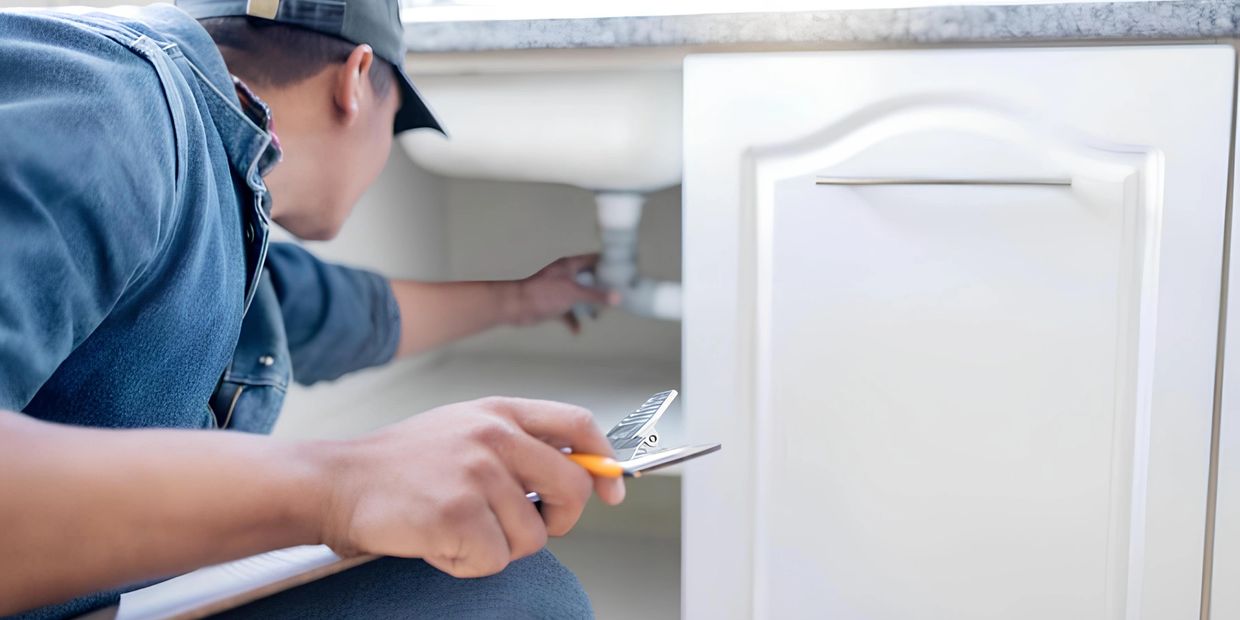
351,82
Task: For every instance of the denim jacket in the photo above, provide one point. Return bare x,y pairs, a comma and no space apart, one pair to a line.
314,319
134,235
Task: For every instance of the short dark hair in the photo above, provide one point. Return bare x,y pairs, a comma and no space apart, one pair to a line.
278,55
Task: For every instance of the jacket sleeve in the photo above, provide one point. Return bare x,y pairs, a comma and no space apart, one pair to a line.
338,319
86,174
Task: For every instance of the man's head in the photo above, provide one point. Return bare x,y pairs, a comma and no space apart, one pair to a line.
330,73
334,105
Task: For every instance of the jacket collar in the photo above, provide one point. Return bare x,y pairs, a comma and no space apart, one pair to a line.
241,118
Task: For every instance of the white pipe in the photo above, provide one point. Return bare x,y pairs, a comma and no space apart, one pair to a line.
665,303
619,213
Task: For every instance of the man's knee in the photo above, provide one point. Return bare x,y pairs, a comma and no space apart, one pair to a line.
534,587
538,586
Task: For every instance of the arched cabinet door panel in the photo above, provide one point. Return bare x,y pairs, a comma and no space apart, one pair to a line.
973,321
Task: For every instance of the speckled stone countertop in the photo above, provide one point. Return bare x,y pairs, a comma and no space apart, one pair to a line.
1093,21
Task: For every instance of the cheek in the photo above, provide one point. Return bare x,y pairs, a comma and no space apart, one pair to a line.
383,135
384,149
368,163
377,150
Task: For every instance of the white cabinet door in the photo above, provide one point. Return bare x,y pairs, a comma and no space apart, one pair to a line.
954,316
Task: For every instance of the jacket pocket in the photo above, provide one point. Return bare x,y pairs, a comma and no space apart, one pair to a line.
247,407
251,392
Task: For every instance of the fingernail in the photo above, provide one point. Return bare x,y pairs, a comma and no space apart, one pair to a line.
619,484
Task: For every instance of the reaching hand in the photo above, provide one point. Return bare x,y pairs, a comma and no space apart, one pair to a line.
554,290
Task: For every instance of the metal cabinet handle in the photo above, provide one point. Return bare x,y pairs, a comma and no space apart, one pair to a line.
916,181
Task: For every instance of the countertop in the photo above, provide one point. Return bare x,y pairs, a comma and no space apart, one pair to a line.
1090,21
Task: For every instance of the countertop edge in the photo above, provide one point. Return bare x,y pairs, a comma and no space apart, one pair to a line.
1093,21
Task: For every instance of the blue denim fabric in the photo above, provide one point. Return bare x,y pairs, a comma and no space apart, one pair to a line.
310,319
338,319
123,265
133,230
533,588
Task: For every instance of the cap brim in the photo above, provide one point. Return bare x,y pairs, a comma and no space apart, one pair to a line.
413,113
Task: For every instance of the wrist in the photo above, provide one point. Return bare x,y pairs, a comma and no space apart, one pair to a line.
510,301
319,513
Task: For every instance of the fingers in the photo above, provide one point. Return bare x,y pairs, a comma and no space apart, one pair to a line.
564,486
523,526
490,473
574,325
610,490
569,265
597,296
579,262
474,546
531,455
559,424
576,264
594,295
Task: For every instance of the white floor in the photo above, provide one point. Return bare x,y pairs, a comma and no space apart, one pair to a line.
627,557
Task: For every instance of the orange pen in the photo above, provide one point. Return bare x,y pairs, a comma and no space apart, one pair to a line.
602,466
607,467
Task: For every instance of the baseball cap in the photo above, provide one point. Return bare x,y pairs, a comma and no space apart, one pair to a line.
373,22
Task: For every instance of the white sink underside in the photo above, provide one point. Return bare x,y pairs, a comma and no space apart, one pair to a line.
600,130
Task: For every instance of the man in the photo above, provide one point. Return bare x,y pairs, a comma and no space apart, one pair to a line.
140,165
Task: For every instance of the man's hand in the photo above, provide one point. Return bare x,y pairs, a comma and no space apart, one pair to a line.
449,485
433,314
554,290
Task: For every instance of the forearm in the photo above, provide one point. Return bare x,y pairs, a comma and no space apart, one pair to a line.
85,509
434,314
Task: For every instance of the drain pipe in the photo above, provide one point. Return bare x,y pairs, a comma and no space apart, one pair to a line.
618,216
